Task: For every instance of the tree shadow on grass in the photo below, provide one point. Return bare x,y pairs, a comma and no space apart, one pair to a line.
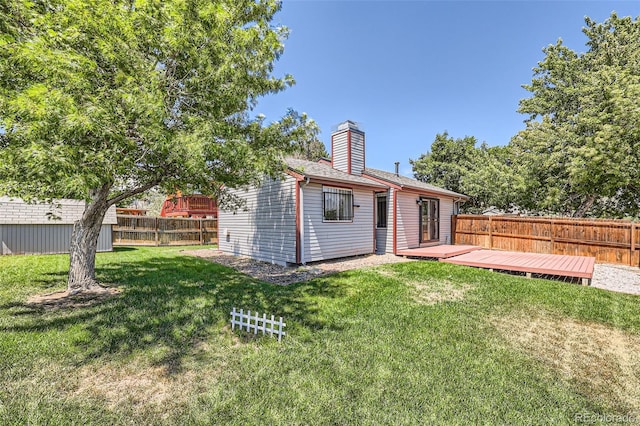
173,303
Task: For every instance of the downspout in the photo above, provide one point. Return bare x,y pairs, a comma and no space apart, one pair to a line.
301,213
458,201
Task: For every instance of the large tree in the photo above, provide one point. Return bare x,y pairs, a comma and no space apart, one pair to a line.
104,99
483,173
581,148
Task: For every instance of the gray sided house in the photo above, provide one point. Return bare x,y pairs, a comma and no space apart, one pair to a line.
31,228
332,209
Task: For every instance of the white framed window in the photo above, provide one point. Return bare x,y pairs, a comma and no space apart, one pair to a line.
337,204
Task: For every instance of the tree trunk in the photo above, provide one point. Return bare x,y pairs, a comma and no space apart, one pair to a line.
84,243
585,206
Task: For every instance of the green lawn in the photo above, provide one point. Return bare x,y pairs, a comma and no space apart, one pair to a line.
420,342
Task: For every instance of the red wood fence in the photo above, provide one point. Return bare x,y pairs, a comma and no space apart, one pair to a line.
160,231
609,241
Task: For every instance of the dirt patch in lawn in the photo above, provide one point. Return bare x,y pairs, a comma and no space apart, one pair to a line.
123,386
603,362
155,387
64,300
431,291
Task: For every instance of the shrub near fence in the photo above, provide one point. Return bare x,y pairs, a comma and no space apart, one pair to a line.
157,231
609,241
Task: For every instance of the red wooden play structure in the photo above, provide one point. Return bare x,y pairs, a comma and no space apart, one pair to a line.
196,205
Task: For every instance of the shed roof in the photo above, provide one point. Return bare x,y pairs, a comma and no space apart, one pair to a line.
14,211
320,171
405,182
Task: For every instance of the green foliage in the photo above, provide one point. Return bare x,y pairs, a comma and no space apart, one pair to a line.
359,344
447,163
308,146
484,174
580,150
131,94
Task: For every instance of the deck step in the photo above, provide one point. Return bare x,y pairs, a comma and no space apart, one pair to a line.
437,252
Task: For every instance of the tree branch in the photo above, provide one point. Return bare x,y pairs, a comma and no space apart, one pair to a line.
133,192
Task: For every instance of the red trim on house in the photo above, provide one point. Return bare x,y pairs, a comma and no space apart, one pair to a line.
298,214
382,181
395,220
332,155
345,185
375,215
364,153
349,151
295,174
426,193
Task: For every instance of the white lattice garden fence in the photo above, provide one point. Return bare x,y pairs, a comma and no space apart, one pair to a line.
255,322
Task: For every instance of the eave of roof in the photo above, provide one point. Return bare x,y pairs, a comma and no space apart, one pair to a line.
323,173
413,184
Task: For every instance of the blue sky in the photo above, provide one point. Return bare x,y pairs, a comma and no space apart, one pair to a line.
407,70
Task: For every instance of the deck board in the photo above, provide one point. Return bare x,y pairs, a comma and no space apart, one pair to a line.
547,264
437,252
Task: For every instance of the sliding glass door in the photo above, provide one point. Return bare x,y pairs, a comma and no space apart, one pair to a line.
429,220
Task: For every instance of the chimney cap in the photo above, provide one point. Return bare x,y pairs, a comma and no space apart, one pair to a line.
348,124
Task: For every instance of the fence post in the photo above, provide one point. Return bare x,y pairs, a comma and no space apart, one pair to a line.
156,233
490,234
454,223
201,234
551,234
632,243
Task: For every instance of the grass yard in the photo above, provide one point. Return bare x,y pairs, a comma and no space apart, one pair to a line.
420,342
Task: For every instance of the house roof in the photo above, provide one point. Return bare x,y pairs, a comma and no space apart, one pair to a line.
405,182
325,172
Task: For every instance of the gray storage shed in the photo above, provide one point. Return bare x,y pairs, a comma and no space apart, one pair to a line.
45,228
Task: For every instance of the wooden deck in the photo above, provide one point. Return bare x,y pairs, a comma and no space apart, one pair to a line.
437,252
530,263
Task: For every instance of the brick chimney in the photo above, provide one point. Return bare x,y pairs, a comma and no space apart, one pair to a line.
347,148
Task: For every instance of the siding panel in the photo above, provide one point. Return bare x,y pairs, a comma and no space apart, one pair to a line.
330,240
446,211
384,236
408,221
408,233
357,152
267,229
339,149
44,239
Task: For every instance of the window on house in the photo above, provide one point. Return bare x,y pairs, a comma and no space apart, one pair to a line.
337,204
381,211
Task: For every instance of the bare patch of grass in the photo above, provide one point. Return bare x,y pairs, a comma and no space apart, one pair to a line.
603,362
66,300
117,385
431,291
140,385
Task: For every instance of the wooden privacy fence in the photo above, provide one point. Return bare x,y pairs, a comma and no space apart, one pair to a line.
159,231
609,241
